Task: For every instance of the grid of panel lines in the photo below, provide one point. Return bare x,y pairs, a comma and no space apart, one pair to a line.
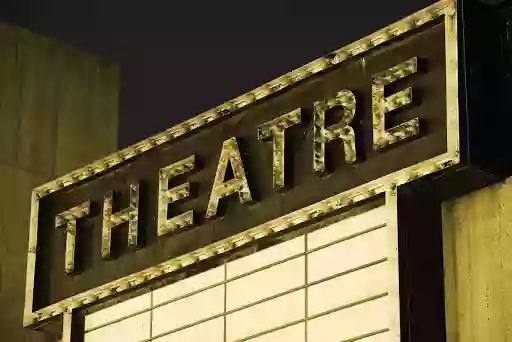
338,283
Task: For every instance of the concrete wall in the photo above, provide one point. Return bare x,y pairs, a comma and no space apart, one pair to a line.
58,111
478,265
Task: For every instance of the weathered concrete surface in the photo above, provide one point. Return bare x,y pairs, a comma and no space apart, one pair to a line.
478,265
58,111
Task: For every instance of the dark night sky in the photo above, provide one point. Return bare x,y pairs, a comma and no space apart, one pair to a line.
180,58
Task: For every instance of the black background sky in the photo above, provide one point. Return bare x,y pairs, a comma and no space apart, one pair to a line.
179,58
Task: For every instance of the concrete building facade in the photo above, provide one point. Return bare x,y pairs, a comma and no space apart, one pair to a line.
58,111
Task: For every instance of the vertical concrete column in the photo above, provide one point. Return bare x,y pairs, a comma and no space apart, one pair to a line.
478,265
58,111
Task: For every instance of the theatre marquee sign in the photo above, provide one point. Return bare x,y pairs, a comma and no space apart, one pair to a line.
369,117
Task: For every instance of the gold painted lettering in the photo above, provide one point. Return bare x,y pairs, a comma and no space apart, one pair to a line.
342,130
167,196
111,220
68,219
276,128
382,105
229,154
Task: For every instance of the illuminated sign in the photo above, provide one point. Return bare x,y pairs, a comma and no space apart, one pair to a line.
356,123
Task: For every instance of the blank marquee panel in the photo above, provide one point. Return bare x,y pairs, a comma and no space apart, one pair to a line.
338,283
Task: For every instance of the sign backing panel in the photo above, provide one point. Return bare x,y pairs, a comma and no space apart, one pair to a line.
365,119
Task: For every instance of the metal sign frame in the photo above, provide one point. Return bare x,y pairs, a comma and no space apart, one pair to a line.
445,9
